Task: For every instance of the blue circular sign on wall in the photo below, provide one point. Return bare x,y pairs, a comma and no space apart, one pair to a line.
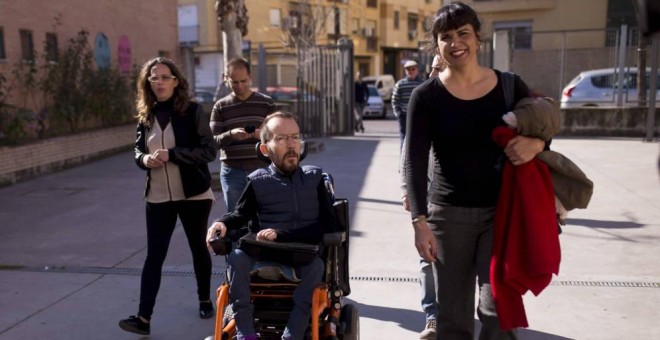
102,51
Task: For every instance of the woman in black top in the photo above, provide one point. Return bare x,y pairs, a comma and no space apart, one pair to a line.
455,113
174,146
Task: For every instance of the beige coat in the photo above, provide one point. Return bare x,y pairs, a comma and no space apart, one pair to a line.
539,118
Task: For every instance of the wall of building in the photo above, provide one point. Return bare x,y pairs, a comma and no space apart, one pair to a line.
149,25
548,15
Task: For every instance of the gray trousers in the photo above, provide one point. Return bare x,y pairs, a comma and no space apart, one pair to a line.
465,237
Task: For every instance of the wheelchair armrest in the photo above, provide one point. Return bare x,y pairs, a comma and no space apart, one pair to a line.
334,239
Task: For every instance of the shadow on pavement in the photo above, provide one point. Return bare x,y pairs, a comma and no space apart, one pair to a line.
603,224
375,200
413,321
405,318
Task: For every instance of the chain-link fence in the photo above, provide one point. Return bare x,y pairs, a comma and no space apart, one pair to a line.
556,57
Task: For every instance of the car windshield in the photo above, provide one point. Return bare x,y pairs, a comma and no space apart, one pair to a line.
373,92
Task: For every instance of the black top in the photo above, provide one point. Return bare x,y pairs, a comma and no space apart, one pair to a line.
361,92
466,160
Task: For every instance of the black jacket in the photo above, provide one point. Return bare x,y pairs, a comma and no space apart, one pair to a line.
195,148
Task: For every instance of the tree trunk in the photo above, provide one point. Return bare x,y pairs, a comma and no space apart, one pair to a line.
232,16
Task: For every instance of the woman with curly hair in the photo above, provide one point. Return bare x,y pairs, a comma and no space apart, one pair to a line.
174,146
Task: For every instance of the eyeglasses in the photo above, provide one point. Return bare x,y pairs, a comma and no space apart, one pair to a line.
284,139
164,78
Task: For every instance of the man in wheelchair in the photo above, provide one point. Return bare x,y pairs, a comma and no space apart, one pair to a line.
281,203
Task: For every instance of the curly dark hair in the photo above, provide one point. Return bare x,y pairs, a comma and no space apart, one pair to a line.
450,17
146,99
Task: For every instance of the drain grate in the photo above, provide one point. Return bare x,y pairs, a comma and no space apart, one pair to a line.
553,283
138,271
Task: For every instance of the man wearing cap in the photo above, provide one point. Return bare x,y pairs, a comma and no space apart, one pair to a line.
401,95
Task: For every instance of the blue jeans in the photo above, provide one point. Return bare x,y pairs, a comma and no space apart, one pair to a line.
465,237
427,283
233,182
240,264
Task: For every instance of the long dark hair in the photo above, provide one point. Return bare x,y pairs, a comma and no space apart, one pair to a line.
450,17
146,99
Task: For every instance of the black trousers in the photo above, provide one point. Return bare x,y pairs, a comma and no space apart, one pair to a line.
161,220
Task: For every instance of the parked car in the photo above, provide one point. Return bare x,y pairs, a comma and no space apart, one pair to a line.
598,88
205,98
383,83
375,105
285,93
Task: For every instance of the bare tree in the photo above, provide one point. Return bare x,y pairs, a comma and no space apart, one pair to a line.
233,19
305,24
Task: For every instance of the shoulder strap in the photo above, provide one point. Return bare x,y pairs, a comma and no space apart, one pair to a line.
508,80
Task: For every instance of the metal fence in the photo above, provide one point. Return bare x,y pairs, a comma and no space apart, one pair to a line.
324,104
556,57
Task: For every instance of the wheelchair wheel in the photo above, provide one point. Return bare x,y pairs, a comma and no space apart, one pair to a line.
349,322
228,316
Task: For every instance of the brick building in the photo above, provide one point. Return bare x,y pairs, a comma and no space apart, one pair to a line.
122,33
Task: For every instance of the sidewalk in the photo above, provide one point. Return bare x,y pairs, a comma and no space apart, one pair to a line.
78,239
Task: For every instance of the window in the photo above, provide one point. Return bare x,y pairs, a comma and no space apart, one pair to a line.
619,12
603,81
521,33
396,20
355,25
27,45
372,3
51,46
337,22
275,17
2,44
413,20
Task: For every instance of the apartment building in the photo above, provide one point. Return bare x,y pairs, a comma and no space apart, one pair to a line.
274,25
386,33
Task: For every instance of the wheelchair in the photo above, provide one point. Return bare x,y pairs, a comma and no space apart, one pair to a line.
330,318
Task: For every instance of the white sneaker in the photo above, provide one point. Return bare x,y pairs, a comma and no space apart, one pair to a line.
429,331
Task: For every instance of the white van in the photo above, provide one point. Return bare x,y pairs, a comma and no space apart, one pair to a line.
384,84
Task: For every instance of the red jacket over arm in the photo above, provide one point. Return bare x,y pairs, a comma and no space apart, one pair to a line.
526,248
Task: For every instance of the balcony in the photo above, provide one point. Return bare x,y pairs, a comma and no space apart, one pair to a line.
188,35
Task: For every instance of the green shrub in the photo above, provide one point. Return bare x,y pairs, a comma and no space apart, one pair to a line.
64,96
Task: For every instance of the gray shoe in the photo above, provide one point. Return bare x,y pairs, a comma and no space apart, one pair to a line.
429,331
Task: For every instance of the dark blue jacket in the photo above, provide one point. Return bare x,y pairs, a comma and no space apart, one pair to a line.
297,206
